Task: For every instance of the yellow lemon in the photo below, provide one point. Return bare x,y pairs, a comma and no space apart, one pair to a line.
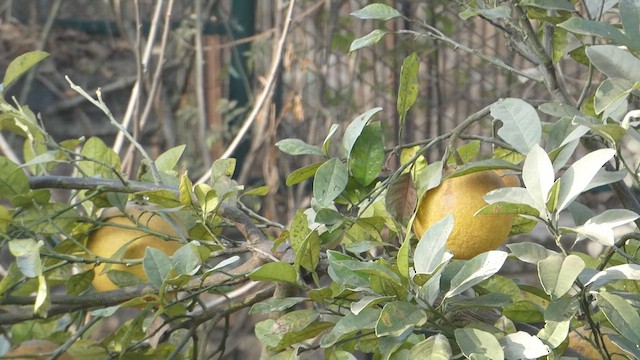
462,197
509,178
580,345
140,228
35,347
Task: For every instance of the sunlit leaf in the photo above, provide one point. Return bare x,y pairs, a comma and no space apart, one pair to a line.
275,271
299,175
476,270
521,126
430,251
622,315
398,316
558,273
474,342
521,345
355,128
576,179
436,347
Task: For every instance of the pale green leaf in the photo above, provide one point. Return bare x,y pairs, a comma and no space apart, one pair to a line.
476,270
557,273
157,266
377,11
330,180
21,65
477,342
521,125
367,40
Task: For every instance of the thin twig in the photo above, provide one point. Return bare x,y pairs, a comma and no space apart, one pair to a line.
135,92
99,103
270,81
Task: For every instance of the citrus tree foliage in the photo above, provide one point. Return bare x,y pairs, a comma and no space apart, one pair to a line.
348,274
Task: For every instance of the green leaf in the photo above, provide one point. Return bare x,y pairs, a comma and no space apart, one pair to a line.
475,271
21,65
186,260
13,180
308,256
614,62
367,155
630,17
298,230
401,199
398,316
258,191
275,271
538,176
622,315
168,160
550,4
326,144
79,282
298,147
614,273
157,266
355,128
409,87
275,305
555,332
222,168
559,43
430,252
521,127
349,324
299,175
600,227
377,11
466,152
27,253
611,91
101,161
367,40
329,182
530,252
186,190
369,301
493,13
576,179
521,345
596,28
123,278
524,311
558,273
271,332
436,347
43,301
478,342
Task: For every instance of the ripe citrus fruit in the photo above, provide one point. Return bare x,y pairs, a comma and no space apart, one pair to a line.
462,197
134,231
579,344
34,347
509,178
